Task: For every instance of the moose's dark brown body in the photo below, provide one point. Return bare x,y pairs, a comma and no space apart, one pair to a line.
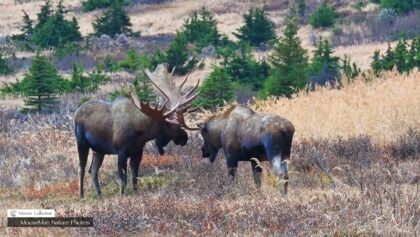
244,134
124,126
119,128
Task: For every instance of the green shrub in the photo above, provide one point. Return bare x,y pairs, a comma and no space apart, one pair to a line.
323,16
134,61
90,5
114,21
258,28
400,6
82,83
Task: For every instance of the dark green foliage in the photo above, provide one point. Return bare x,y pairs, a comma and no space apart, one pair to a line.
54,29
324,16
388,60
41,85
242,68
4,64
216,89
400,6
323,57
290,63
301,6
27,28
400,56
179,56
324,67
350,70
376,64
114,21
403,58
44,15
90,5
200,29
82,83
258,28
134,61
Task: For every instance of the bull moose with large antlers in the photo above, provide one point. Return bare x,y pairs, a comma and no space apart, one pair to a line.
245,135
124,126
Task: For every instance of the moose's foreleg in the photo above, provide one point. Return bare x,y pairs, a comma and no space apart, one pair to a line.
232,166
257,171
134,167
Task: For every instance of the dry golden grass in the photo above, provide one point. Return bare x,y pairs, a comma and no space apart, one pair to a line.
383,109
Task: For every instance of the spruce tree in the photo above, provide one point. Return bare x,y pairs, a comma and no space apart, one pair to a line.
244,69
323,16
41,84
411,56
57,31
417,57
400,56
216,89
377,64
201,29
44,15
290,63
258,28
114,21
4,64
324,67
27,28
388,61
178,55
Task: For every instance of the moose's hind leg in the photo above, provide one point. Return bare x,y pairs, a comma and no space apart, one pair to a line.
96,164
122,170
83,156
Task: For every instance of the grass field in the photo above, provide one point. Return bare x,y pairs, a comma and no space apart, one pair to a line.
354,171
354,168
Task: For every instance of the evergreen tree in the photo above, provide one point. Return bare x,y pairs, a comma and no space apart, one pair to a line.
411,56
90,5
82,83
27,28
350,70
41,83
216,89
44,15
323,16
179,56
201,29
114,21
376,64
242,68
301,6
57,31
290,63
4,64
400,6
324,67
134,61
417,57
388,61
400,56
258,28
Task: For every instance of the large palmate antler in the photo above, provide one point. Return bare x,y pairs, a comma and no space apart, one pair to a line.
175,101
